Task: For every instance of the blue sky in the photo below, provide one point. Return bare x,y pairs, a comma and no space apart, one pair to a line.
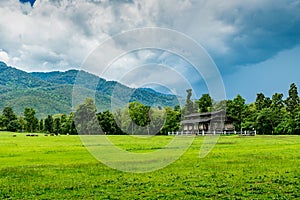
28,1
254,44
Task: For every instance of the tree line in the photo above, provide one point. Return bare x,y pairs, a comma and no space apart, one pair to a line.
58,124
134,119
266,115
273,115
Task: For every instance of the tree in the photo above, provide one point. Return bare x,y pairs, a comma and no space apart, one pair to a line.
189,107
235,111
8,115
259,102
158,119
118,119
14,125
277,101
63,118
108,123
85,118
292,101
189,102
262,101
57,126
30,119
220,105
266,121
1,122
124,121
177,108
22,123
48,126
205,103
277,108
139,113
140,116
249,117
172,123
286,123
296,129
41,125
268,102
71,123
65,125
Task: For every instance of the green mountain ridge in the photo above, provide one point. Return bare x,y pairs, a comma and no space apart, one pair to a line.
53,92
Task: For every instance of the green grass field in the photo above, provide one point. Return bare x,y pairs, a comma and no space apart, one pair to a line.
260,167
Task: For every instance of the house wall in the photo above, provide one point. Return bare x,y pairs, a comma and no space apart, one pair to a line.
208,126
229,127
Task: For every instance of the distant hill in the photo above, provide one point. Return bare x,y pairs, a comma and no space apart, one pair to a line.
51,92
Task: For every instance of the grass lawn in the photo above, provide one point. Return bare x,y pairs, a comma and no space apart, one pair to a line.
257,167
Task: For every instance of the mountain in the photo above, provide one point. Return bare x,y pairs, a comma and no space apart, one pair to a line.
51,92
11,78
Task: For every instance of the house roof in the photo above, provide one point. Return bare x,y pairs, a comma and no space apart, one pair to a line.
205,113
199,120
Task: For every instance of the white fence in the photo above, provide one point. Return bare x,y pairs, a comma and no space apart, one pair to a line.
203,133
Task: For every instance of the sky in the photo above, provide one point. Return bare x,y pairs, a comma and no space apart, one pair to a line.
254,44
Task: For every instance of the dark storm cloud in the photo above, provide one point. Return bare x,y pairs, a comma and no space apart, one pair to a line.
262,30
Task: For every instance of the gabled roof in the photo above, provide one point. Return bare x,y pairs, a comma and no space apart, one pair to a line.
192,121
205,113
201,120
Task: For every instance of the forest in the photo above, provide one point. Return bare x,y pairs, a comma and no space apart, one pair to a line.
266,115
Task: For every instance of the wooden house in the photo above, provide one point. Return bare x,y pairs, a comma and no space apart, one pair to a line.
208,122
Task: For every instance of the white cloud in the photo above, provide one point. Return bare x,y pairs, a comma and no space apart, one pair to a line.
72,29
60,34
3,56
